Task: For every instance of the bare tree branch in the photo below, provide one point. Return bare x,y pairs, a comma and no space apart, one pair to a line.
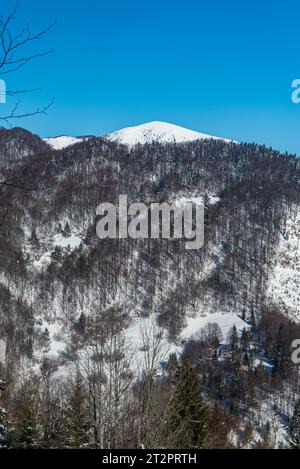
23,91
15,115
13,56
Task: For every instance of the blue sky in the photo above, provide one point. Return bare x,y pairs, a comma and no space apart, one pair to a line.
220,67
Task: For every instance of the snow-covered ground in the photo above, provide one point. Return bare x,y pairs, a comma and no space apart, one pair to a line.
225,321
284,286
42,257
57,338
145,330
183,199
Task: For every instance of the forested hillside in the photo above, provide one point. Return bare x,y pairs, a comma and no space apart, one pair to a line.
116,333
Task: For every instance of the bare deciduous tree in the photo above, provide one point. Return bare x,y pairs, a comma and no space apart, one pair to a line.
15,53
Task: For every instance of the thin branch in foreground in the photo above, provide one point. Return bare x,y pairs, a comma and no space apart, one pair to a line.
15,115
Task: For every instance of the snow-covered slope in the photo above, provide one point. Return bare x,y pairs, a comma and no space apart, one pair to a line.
157,131
63,141
284,287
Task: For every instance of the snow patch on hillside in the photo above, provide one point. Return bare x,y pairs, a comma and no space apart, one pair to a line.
57,338
41,256
182,199
225,321
146,331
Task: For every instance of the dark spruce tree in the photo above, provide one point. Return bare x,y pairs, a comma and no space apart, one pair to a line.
294,428
188,414
4,429
26,433
77,421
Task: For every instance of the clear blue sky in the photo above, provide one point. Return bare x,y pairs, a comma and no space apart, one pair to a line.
220,67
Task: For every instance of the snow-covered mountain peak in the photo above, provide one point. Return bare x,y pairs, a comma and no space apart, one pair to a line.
155,131
63,141
159,132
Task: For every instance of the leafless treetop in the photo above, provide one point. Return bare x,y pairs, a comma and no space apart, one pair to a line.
16,52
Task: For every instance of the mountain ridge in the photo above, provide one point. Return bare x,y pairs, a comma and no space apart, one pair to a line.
154,131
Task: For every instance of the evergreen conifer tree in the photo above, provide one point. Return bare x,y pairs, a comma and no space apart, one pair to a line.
67,230
77,421
187,416
56,255
26,433
4,429
294,428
